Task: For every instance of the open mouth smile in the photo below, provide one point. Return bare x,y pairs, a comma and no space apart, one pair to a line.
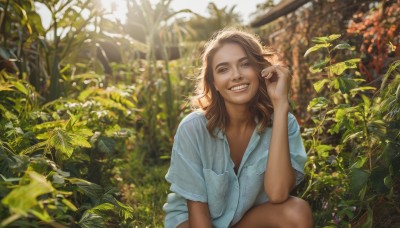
239,87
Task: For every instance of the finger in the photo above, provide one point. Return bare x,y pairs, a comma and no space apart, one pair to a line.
282,86
267,70
269,85
277,70
268,76
271,81
282,71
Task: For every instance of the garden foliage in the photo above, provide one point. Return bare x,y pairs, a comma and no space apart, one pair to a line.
56,159
86,132
353,142
69,125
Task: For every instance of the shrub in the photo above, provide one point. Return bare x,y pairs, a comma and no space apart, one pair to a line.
353,142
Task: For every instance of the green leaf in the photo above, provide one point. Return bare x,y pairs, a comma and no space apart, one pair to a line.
62,142
316,47
83,96
6,86
9,179
358,180
368,222
378,176
36,147
125,210
38,186
94,191
36,22
323,150
77,140
342,46
49,125
20,87
7,114
102,209
340,67
111,130
319,84
69,204
345,85
105,209
325,39
41,214
84,132
90,220
318,67
388,182
361,89
334,37
392,68
318,103
58,179
106,145
360,162
71,123
367,103
45,135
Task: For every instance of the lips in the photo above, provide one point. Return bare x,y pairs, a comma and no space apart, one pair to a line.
239,87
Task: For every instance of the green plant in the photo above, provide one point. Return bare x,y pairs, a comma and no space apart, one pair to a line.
159,91
352,152
52,155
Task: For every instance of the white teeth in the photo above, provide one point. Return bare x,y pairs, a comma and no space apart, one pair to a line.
240,87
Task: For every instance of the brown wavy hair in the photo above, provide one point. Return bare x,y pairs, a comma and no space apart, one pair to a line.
211,102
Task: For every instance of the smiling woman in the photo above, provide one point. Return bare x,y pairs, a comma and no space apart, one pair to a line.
238,155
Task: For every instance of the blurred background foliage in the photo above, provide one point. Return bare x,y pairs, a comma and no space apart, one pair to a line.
89,107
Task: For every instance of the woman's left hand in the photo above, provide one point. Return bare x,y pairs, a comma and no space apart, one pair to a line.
277,79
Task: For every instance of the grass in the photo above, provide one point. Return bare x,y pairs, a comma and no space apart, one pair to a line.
145,189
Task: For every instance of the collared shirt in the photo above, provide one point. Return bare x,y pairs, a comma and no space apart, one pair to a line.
202,170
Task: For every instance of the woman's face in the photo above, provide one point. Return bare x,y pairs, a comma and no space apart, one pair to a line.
235,78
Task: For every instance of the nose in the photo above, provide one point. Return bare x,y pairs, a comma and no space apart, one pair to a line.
237,74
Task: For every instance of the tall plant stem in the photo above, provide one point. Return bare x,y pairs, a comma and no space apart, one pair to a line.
368,140
330,74
54,73
3,23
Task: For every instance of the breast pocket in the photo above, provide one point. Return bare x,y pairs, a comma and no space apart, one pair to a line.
217,191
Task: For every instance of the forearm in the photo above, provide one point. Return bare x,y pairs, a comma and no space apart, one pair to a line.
279,177
199,215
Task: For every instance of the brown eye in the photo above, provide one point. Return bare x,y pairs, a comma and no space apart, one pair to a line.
222,69
246,64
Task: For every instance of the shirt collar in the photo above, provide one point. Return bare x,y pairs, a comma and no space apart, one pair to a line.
221,135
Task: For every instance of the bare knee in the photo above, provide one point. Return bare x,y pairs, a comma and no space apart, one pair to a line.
298,213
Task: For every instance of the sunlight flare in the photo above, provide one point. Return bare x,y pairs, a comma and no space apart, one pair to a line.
114,10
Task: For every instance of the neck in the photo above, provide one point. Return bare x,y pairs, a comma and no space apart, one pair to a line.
240,118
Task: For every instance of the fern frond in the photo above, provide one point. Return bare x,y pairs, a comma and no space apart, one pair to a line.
91,220
94,191
61,141
35,147
49,125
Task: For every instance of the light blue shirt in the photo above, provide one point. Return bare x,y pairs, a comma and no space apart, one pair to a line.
202,170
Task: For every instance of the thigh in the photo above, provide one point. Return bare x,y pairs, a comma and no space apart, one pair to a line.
294,212
184,225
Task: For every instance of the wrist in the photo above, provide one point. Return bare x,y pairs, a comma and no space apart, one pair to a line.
281,108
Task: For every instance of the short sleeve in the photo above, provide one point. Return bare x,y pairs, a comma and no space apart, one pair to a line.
298,154
185,172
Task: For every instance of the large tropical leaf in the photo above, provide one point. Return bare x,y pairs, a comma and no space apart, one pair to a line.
37,186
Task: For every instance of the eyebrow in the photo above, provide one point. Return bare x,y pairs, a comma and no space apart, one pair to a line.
226,63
